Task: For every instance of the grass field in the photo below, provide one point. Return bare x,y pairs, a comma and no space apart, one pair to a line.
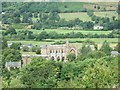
96,40
68,6
99,41
71,16
67,31
109,14
40,43
83,15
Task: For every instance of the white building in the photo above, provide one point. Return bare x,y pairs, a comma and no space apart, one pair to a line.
114,53
98,27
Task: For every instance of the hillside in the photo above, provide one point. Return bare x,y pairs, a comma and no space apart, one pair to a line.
44,6
59,6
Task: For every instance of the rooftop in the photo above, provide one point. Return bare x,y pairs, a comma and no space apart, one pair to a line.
13,64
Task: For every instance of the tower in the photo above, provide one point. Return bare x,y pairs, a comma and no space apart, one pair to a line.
67,42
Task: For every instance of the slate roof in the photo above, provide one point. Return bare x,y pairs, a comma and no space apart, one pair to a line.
114,52
13,64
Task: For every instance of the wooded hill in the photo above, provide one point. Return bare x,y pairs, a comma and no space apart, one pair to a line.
58,6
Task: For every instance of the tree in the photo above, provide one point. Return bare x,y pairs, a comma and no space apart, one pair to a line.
38,51
45,73
17,20
118,9
16,46
113,18
4,43
16,14
11,55
53,35
71,57
85,49
11,31
30,14
37,26
98,7
106,48
30,35
90,13
95,54
42,35
25,49
36,15
117,47
25,18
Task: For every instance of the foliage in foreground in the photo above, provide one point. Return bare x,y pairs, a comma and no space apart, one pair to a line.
90,73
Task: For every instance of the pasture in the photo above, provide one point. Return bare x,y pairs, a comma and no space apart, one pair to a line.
109,14
39,43
71,16
84,17
68,6
98,41
67,31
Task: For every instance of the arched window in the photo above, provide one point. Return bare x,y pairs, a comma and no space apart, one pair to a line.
62,51
50,51
52,58
63,58
58,58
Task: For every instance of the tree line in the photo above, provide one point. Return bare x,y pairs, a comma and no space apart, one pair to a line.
29,35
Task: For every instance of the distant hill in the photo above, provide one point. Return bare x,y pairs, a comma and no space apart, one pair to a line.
45,6
66,7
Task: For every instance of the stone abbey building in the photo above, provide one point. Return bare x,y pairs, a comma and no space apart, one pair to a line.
58,52
52,52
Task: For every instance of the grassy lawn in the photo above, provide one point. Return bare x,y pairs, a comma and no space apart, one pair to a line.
39,43
96,40
99,41
71,16
109,14
67,31
68,6
84,17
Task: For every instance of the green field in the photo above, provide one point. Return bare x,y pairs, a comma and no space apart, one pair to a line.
68,6
40,43
96,40
67,31
109,14
99,41
71,16
83,15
